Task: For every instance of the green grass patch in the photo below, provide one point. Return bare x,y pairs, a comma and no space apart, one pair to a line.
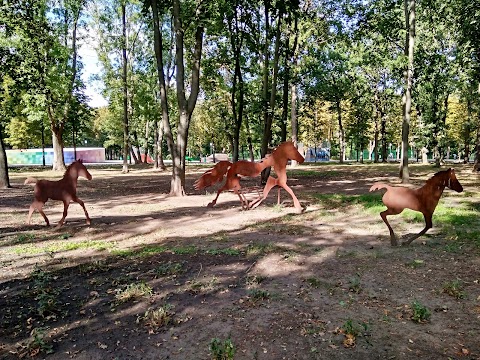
32,249
226,251
370,202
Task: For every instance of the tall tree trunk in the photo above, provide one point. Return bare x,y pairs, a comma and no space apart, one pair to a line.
165,128
407,98
185,106
293,89
341,132
125,92
4,179
267,133
236,41
145,150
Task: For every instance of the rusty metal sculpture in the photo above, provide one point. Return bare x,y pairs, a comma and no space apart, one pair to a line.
64,189
234,171
424,199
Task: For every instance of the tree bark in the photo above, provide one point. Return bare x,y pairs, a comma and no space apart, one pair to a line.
4,179
125,92
407,98
185,106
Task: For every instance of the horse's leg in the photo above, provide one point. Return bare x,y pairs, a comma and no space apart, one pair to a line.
296,203
428,225
76,199
214,201
384,214
37,205
271,182
65,209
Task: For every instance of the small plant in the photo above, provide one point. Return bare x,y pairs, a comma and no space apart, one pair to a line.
354,284
37,343
258,294
157,318
221,350
254,280
134,291
21,238
169,268
45,294
352,329
454,288
420,312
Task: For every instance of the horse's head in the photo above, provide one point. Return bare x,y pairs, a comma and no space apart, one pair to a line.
80,169
291,152
452,181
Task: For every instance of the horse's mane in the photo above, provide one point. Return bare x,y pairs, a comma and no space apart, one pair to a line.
69,167
437,176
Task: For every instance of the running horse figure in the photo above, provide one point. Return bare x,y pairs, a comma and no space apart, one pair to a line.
64,189
234,171
424,199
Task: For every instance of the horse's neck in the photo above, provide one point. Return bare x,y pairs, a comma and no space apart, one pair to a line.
71,177
434,188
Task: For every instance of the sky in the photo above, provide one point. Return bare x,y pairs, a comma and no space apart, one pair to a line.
91,67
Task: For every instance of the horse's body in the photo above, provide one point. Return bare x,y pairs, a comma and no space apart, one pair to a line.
424,199
234,171
64,190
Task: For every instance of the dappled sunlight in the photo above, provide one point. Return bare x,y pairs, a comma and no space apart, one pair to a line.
227,271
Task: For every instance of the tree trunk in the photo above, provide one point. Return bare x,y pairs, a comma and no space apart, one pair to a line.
341,132
185,107
294,118
165,128
407,98
145,150
125,92
4,179
57,142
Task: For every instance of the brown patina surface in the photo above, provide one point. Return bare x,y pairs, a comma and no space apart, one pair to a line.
281,285
235,171
424,199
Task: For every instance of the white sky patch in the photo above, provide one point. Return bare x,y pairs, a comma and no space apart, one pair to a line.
91,67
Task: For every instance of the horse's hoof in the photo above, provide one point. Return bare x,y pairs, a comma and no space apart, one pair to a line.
88,222
300,210
210,205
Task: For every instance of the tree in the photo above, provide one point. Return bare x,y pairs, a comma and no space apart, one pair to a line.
409,6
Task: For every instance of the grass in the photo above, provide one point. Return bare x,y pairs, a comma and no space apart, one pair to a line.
170,268
156,318
133,291
60,246
455,289
371,202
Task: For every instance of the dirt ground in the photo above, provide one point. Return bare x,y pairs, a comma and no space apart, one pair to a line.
156,277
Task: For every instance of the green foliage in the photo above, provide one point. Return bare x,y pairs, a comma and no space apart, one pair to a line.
454,288
420,312
222,350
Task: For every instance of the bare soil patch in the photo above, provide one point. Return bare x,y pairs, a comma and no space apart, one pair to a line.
156,277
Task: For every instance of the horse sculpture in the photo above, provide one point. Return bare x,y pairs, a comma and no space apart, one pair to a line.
234,171
64,189
424,199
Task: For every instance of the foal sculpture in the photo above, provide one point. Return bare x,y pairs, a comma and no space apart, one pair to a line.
424,199
234,171
64,189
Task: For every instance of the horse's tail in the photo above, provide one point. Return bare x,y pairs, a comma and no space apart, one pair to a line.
30,180
378,186
213,175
